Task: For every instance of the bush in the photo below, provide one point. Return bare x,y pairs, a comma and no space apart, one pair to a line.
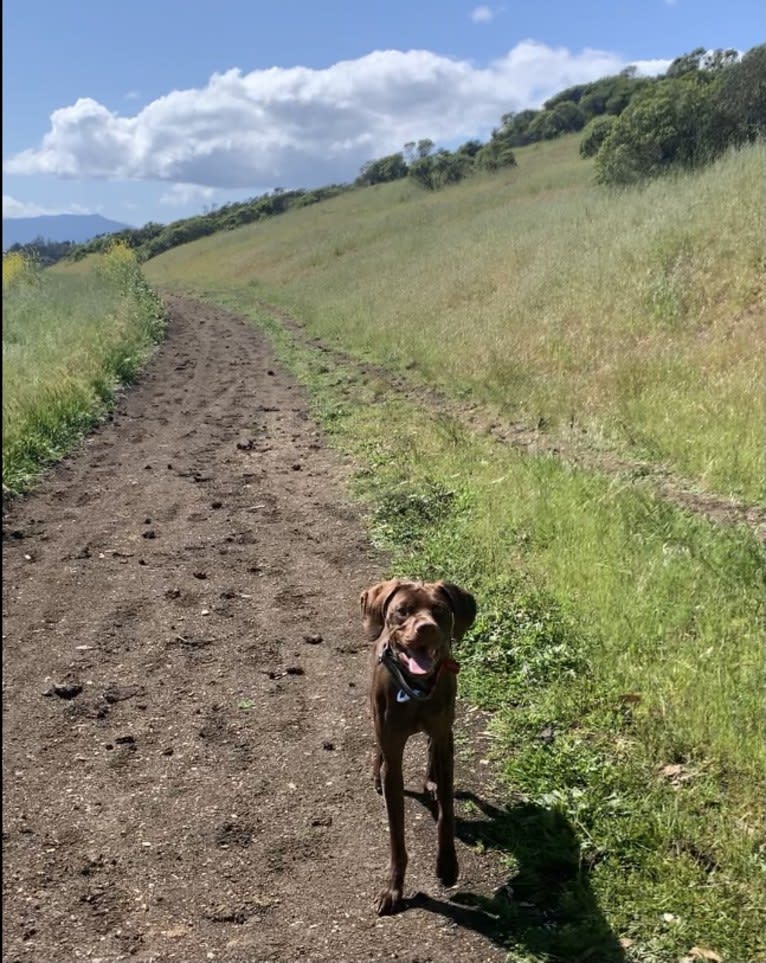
739,100
665,125
595,134
18,268
437,170
390,168
706,103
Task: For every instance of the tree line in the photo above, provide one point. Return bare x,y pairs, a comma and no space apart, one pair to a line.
152,239
704,104
635,127
42,251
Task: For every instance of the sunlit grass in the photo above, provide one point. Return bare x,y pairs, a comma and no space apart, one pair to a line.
69,341
626,629
607,314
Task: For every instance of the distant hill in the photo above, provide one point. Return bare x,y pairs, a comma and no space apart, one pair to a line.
57,227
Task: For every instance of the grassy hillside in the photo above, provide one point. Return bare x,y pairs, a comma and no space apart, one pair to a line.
627,317
619,643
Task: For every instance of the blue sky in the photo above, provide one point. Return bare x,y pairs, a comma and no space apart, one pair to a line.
158,110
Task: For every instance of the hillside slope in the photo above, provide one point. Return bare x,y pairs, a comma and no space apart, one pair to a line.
626,318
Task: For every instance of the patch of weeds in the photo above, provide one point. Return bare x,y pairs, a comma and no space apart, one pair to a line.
521,641
404,516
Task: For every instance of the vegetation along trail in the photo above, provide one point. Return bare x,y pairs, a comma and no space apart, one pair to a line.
184,690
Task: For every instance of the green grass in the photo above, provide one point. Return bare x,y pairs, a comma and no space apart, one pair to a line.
619,647
69,340
619,638
607,315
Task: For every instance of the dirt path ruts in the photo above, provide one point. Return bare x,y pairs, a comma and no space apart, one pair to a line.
581,452
205,795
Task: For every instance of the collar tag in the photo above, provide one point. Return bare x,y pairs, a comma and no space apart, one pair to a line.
403,697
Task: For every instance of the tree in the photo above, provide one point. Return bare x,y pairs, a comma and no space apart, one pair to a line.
515,127
708,102
389,168
739,99
424,147
440,169
563,119
666,124
686,63
470,148
496,154
571,94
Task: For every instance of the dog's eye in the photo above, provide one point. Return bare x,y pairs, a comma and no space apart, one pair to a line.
402,611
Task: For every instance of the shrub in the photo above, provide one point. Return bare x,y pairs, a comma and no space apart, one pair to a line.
665,125
389,168
18,269
595,134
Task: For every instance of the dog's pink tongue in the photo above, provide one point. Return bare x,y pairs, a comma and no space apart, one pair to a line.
419,662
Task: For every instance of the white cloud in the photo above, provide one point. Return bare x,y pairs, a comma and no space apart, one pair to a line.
180,195
15,208
300,127
482,14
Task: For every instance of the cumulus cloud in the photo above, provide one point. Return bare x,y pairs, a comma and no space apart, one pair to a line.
302,127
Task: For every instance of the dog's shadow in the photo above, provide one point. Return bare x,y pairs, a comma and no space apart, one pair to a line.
546,904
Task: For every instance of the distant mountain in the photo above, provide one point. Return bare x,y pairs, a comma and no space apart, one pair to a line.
57,227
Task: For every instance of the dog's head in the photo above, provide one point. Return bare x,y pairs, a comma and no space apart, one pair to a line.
420,619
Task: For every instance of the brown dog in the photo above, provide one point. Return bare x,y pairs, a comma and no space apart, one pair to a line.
413,690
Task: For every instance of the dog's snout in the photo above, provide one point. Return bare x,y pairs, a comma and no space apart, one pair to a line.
425,630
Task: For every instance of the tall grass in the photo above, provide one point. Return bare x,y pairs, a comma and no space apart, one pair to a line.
69,340
619,646
608,314
619,640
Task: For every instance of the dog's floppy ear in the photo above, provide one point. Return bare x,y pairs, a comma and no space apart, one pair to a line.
374,602
463,605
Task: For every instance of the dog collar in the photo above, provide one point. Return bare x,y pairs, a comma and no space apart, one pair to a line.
405,691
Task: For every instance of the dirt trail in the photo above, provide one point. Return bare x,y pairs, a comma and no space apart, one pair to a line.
195,568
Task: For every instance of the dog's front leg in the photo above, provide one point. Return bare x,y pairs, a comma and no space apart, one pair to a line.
392,749
377,762
443,754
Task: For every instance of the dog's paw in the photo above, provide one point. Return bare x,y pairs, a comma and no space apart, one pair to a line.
447,868
389,902
430,800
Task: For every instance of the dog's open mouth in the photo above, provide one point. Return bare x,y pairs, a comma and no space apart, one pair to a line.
416,661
